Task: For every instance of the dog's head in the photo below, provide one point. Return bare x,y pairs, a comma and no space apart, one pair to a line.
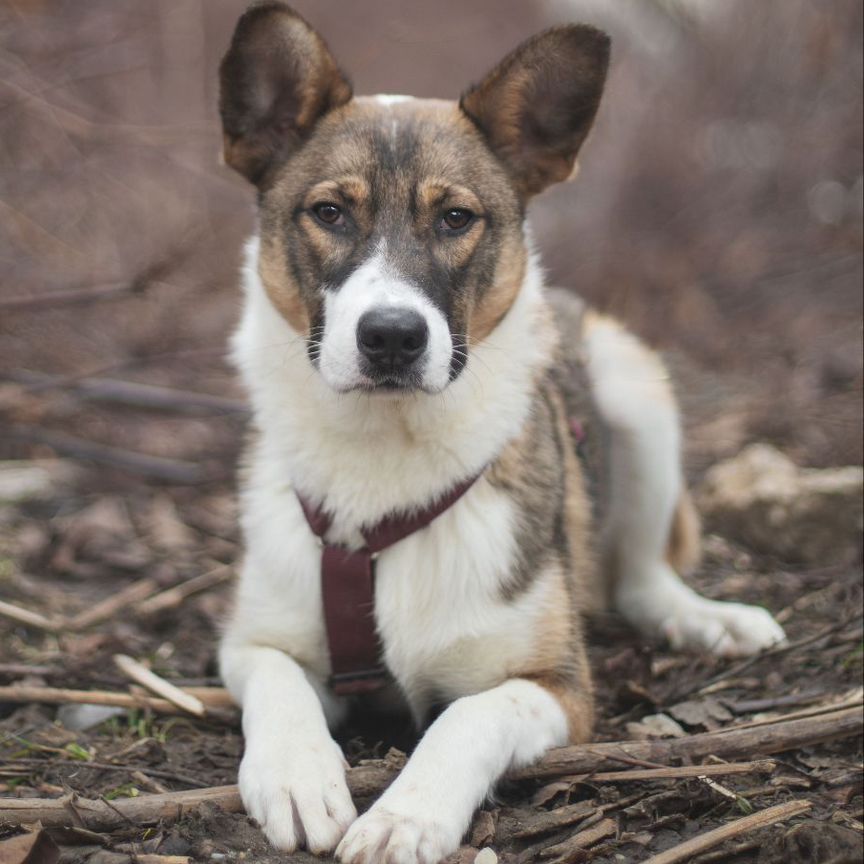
392,228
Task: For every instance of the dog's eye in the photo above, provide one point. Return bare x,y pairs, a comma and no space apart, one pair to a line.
456,220
328,213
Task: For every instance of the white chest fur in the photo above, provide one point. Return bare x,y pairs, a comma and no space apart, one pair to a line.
445,627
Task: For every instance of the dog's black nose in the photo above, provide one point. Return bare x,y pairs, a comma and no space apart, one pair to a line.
392,337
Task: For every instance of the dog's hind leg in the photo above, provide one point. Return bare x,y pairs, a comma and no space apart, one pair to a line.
649,527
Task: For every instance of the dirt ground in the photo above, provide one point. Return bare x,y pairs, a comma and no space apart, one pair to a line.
86,538
718,212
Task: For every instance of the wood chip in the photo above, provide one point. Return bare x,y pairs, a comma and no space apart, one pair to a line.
570,849
483,829
34,848
553,820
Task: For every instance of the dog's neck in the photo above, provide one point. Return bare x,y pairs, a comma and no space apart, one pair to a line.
364,456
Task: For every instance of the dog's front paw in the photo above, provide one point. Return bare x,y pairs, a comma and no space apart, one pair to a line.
724,629
298,795
384,837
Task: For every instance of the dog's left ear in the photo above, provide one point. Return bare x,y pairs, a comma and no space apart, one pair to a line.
536,107
276,81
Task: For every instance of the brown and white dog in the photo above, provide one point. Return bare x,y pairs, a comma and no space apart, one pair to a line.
396,341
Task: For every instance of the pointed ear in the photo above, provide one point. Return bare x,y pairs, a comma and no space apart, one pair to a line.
276,81
536,107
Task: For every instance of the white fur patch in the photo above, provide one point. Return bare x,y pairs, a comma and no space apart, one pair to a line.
422,816
292,775
391,98
374,286
633,394
365,457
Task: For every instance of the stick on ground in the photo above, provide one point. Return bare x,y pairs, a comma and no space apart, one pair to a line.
61,696
689,848
373,777
28,618
149,679
173,597
133,593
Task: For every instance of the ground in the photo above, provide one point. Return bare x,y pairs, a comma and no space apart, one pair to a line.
86,537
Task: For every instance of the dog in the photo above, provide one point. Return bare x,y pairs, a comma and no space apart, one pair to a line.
417,519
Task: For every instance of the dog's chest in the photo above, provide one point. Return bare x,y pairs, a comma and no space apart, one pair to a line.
446,626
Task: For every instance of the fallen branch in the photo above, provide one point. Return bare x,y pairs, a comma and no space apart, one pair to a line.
686,850
851,700
173,597
137,591
22,669
142,592
98,815
149,679
61,696
373,777
728,743
28,618
566,850
156,467
764,766
135,395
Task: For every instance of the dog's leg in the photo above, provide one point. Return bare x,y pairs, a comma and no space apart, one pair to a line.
425,812
292,776
635,398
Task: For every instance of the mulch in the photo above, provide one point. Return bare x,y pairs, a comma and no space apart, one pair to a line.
70,555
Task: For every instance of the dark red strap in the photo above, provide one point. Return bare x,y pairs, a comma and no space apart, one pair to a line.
348,594
348,591
392,529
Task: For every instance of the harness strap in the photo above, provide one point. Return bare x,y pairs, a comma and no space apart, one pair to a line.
348,590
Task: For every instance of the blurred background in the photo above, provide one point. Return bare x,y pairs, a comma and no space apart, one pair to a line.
718,210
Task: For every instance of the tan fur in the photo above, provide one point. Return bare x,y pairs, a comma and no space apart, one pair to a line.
578,706
560,662
684,547
496,302
282,290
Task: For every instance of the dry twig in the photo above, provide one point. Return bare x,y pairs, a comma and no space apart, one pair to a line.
135,395
373,777
139,590
156,467
785,648
679,772
173,597
61,696
571,848
30,619
149,679
686,850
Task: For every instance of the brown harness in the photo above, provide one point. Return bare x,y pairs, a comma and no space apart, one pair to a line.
348,591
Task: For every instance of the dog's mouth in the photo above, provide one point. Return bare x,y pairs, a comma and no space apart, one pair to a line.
393,383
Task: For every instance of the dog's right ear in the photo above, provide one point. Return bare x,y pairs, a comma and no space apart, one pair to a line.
276,81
